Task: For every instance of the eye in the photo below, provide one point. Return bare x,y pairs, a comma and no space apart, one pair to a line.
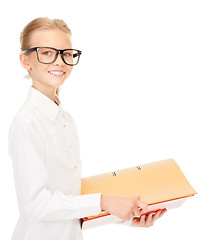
66,54
47,53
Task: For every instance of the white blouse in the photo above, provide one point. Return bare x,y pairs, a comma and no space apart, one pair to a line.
44,148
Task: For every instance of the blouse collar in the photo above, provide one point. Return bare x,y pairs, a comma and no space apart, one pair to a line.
44,104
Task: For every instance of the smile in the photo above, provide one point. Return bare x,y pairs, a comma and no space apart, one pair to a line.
57,73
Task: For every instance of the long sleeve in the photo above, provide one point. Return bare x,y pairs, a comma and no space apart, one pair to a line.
36,202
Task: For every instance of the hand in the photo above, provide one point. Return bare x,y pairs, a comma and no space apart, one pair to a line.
148,220
125,208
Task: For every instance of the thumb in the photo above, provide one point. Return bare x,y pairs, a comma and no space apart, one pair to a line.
138,197
142,205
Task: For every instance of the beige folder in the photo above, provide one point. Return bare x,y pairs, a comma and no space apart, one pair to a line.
155,183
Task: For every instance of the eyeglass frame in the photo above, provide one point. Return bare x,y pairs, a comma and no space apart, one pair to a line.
58,51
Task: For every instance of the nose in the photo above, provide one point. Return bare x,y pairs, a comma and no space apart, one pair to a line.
58,60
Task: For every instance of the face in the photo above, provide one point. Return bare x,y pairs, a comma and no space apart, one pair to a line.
47,76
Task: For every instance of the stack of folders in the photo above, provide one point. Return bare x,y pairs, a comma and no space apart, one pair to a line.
160,184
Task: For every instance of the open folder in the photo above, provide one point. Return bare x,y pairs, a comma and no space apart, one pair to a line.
160,184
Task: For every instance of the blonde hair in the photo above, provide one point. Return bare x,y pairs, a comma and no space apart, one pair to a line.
41,24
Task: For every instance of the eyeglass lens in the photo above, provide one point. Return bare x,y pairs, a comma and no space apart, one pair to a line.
48,55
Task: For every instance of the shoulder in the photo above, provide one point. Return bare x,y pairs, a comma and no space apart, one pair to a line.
23,119
24,135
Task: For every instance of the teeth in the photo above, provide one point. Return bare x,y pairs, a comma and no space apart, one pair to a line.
56,73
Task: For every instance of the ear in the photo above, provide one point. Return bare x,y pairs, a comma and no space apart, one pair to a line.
25,61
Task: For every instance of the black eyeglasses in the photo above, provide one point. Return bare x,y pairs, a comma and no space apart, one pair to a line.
47,55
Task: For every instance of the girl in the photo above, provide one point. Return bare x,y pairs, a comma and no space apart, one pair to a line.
44,146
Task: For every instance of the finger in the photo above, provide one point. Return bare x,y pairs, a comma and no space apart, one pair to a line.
149,221
142,221
136,222
142,205
136,213
156,215
159,214
138,197
163,212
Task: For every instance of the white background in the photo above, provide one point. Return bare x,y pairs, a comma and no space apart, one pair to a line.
136,96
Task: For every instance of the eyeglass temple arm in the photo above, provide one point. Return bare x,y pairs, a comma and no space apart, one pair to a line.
77,54
29,50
